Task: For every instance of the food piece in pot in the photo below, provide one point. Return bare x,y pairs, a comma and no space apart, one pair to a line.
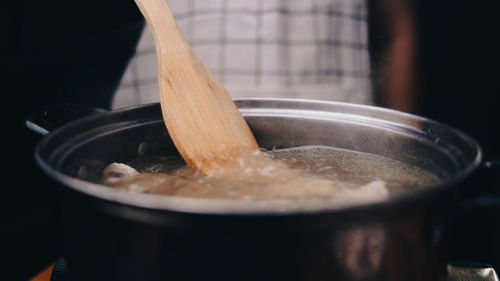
116,172
256,175
376,189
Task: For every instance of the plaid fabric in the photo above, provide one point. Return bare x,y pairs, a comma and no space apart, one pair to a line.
266,48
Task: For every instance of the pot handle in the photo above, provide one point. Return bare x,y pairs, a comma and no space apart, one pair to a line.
475,225
486,182
49,118
485,193
492,170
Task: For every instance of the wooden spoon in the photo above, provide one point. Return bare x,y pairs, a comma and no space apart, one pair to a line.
201,118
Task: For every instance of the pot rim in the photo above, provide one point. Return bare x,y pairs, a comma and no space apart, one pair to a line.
278,207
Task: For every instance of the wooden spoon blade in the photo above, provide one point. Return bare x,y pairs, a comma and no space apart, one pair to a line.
202,119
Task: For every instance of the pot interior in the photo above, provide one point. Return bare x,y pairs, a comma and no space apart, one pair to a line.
83,148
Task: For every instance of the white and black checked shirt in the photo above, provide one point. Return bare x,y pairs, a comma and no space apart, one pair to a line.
314,49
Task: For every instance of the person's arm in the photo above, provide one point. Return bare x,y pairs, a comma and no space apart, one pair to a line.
393,47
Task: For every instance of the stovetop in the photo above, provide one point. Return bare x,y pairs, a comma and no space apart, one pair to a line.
470,272
455,272
60,271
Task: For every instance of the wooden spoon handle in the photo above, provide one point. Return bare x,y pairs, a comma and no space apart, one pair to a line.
202,119
161,21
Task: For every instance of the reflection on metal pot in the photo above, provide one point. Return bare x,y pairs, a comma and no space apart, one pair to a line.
361,249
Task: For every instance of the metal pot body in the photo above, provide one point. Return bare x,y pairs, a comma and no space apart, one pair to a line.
114,235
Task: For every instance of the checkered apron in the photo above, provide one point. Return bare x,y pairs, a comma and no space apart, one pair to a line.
315,49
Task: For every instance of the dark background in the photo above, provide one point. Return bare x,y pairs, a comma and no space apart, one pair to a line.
460,71
456,82
53,52
76,51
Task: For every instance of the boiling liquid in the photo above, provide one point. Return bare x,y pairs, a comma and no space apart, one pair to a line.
313,172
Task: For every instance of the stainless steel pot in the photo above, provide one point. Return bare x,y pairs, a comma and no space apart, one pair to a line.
117,235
